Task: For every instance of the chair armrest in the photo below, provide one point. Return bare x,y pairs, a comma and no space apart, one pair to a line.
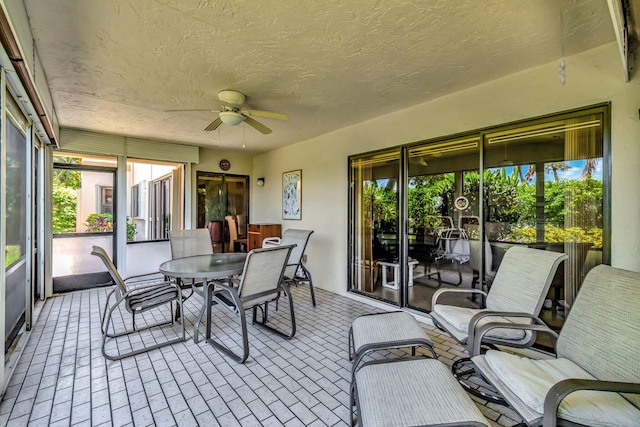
559,391
232,302
137,276
439,292
475,337
270,242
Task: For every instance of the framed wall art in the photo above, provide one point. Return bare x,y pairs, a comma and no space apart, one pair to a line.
292,195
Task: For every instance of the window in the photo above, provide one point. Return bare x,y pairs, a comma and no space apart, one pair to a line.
135,201
82,193
153,199
16,194
105,204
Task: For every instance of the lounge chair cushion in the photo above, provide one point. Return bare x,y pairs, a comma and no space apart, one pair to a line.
460,317
531,380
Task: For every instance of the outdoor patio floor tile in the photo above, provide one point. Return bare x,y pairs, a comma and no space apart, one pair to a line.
62,378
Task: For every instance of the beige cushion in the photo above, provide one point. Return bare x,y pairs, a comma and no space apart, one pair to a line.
460,317
531,380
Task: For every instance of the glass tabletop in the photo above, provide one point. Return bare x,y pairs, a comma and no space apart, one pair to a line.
205,266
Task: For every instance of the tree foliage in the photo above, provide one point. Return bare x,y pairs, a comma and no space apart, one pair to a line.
572,207
65,195
64,209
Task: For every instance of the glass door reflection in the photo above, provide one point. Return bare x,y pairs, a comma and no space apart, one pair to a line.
443,210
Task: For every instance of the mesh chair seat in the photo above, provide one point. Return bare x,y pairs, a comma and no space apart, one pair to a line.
149,298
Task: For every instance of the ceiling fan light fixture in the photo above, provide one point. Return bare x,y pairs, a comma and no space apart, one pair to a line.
231,118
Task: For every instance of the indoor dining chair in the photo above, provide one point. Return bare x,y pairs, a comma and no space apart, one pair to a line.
236,244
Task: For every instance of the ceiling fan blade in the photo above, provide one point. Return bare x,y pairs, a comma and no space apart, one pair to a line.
213,125
267,114
193,109
257,125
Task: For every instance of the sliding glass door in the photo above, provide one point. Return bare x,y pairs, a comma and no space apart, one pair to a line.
222,197
545,186
375,234
443,205
442,213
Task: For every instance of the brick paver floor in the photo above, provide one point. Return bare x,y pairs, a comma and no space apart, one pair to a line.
62,378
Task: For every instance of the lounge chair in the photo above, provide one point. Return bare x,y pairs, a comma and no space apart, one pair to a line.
597,349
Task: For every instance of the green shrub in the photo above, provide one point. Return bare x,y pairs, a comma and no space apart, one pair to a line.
553,234
104,222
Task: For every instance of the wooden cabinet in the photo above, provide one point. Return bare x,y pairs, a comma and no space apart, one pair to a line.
259,232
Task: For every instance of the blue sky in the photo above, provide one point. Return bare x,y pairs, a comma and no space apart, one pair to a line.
574,171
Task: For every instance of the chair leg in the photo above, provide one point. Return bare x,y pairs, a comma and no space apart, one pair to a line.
308,278
139,351
243,323
263,324
107,316
105,329
351,344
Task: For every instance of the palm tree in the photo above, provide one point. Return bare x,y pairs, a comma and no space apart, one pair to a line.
555,167
589,168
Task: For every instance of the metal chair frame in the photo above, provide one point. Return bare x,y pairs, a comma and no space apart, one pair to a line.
123,294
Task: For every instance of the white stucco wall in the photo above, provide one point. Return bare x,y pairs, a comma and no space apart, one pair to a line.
592,77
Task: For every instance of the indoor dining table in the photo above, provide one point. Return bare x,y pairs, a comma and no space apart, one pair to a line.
208,268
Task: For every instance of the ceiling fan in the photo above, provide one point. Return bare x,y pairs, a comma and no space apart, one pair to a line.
231,113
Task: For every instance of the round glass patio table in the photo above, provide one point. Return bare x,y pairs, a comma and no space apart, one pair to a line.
207,268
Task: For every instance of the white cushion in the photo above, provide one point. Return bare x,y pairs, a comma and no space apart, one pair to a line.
460,317
531,380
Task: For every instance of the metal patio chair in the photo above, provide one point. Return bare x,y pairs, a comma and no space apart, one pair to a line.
261,282
186,243
296,272
516,296
136,300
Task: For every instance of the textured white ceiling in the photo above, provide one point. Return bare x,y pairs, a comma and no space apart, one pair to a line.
116,66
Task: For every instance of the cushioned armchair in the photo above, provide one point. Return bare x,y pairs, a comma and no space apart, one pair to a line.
516,296
594,380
